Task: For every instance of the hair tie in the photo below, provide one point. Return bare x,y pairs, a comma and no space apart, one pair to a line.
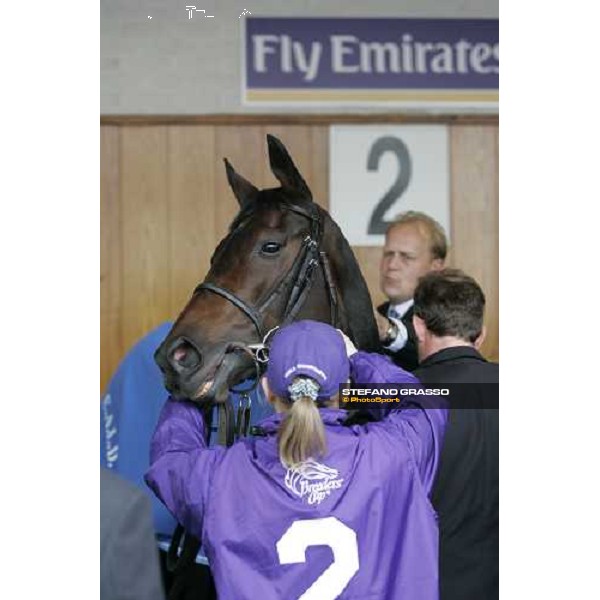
303,386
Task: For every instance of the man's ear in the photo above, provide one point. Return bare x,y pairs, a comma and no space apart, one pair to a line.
481,338
420,328
437,264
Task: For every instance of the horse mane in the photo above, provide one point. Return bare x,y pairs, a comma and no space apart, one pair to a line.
354,291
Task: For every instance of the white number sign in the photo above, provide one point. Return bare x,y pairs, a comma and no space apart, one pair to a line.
292,546
377,172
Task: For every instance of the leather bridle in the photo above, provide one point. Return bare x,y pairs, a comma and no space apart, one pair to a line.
299,278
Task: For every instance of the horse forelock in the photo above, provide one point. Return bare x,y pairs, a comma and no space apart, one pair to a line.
270,207
283,195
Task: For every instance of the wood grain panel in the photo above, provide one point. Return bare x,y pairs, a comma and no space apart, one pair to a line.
474,216
192,209
368,258
319,163
145,214
111,304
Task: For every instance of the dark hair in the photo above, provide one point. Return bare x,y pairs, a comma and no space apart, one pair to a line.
450,303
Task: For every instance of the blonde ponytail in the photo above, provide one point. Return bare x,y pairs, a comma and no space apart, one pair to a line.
301,433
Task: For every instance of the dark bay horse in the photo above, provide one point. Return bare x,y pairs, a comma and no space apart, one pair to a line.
283,259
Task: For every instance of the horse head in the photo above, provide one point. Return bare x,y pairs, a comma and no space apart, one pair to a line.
283,259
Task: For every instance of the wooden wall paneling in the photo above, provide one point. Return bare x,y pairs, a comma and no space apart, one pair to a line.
368,258
474,216
319,159
111,342
145,231
491,345
192,170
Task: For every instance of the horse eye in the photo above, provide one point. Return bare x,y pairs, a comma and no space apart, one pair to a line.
270,248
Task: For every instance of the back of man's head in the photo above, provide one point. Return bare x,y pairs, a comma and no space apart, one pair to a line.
450,303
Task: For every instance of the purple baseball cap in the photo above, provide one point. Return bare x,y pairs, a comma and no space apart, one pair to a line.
308,348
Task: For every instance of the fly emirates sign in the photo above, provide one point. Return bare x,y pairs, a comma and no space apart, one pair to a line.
372,60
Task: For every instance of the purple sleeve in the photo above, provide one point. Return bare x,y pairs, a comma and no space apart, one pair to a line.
367,367
421,421
181,465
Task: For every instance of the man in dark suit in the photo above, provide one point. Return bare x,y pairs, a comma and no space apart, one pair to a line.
129,567
415,244
448,321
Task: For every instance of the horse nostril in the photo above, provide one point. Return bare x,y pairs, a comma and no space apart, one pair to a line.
184,356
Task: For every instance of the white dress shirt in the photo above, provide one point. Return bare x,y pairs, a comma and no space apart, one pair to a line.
395,313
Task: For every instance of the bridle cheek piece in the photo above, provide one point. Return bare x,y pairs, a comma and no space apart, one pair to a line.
300,278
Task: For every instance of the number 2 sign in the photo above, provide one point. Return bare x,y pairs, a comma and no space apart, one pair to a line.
378,172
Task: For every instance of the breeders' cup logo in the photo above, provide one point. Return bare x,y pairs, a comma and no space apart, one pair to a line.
110,432
312,481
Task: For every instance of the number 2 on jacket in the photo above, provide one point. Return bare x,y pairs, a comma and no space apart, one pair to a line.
331,532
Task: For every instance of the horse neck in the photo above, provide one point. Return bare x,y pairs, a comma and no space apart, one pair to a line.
353,293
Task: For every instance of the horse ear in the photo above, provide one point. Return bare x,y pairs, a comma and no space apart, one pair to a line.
284,169
244,191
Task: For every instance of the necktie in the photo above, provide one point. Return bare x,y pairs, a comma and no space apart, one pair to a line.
393,313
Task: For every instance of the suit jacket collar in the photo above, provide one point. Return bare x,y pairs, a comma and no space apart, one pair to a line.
448,354
383,308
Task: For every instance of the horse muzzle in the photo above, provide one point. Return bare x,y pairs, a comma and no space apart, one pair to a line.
203,377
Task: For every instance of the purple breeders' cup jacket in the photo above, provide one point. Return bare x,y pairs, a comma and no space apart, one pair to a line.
356,523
